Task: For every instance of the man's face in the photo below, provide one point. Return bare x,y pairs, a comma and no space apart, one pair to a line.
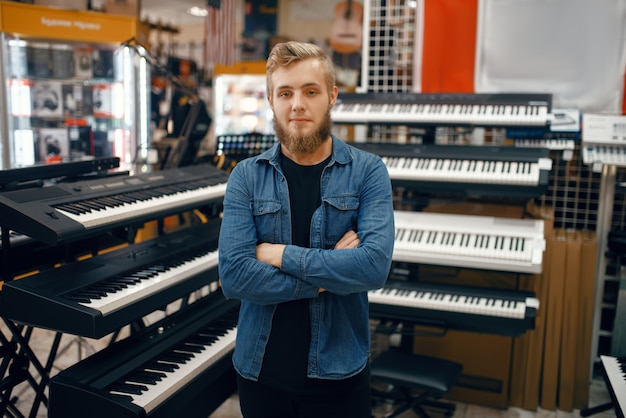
301,103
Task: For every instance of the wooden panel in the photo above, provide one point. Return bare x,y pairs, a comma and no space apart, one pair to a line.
554,311
528,348
569,330
586,303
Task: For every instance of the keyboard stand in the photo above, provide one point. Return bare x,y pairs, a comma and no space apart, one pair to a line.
82,345
615,247
587,412
17,363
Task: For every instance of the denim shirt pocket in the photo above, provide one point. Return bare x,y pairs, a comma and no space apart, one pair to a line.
267,219
341,216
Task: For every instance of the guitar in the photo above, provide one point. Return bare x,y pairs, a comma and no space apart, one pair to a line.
346,34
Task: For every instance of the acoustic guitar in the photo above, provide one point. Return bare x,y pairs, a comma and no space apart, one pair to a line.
346,34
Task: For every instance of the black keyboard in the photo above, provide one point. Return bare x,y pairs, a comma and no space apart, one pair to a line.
468,170
68,211
494,311
101,294
497,109
180,366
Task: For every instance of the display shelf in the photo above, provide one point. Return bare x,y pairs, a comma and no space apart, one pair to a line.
72,89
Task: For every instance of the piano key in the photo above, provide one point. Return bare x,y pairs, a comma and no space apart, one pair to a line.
497,311
138,377
615,372
492,306
484,170
445,109
90,217
469,241
606,154
468,171
98,295
108,302
193,365
64,212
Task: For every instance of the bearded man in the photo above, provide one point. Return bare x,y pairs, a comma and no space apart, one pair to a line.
307,231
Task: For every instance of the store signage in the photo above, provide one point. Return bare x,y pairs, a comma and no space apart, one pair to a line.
49,23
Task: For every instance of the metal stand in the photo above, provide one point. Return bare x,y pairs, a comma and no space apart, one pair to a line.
605,210
15,369
618,339
82,346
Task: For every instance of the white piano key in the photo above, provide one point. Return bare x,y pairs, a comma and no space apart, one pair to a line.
116,300
466,171
614,368
127,211
186,372
449,302
519,115
469,241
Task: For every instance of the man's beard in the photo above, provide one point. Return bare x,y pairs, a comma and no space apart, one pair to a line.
306,144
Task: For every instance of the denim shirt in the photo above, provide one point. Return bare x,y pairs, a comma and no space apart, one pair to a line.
356,194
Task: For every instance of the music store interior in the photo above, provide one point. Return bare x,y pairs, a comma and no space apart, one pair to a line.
502,124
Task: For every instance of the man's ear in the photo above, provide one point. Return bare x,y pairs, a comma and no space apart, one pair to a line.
333,96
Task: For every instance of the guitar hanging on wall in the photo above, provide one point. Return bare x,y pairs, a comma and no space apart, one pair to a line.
346,34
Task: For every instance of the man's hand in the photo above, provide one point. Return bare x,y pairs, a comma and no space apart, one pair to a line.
349,240
271,254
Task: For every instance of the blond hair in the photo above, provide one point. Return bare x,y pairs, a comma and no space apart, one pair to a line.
286,53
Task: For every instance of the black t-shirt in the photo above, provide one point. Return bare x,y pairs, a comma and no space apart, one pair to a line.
286,354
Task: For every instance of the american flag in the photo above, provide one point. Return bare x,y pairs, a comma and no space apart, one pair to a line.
221,47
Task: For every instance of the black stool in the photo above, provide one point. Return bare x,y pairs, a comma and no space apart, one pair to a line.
408,373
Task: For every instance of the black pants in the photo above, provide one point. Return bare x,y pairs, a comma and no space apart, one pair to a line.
262,401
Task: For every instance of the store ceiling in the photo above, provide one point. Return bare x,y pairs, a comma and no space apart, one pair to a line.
172,12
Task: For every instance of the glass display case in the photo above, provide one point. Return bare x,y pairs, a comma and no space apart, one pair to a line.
243,124
241,105
76,87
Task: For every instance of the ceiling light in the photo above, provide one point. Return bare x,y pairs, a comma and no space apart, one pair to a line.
197,11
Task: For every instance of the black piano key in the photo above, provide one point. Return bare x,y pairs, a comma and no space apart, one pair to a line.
175,357
128,388
121,282
111,201
204,340
93,205
212,332
79,298
125,198
149,374
161,366
126,280
187,348
121,397
69,208
107,287
82,206
139,379
93,295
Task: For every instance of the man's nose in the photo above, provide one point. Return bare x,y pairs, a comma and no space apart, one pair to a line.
297,102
